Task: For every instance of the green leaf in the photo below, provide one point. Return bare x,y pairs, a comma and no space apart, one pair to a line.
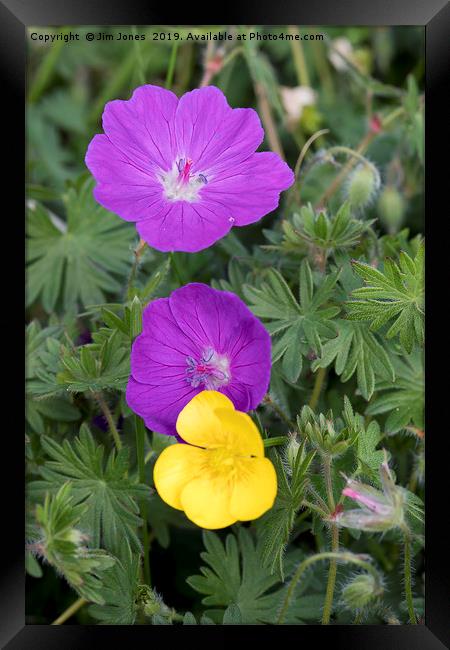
298,326
404,399
102,365
396,294
275,526
80,260
60,541
119,590
356,349
110,497
235,575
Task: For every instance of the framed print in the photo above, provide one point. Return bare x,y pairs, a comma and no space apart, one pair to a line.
225,366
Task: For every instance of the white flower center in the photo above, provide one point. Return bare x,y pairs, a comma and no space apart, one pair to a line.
180,184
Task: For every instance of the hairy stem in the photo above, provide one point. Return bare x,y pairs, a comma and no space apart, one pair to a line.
70,611
140,452
408,579
109,418
334,544
360,149
137,257
279,411
335,556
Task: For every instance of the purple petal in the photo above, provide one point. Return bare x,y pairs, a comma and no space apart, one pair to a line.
159,406
252,189
142,128
159,353
183,226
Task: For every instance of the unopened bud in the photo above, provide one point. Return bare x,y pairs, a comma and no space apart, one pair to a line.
391,209
362,185
360,591
292,449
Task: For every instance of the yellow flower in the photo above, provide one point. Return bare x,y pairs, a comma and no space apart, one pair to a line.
221,475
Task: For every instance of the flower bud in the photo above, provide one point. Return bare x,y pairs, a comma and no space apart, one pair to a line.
362,185
292,449
360,591
378,510
391,209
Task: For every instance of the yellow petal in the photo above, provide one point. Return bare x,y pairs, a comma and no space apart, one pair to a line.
255,488
174,468
206,502
197,422
239,433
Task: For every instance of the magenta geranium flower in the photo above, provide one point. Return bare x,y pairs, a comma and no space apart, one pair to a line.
184,170
197,339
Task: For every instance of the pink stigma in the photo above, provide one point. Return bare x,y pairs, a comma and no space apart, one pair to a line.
211,371
184,167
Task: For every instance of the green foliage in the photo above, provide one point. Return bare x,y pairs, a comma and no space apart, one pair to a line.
339,232
276,525
298,326
235,577
120,589
105,489
396,293
356,349
76,261
60,541
402,400
103,364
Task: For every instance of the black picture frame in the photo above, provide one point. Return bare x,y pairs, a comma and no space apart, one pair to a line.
15,16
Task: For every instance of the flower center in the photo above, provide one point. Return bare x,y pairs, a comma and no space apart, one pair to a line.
212,371
180,184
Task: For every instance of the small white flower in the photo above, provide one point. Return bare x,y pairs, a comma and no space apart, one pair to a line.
295,99
340,46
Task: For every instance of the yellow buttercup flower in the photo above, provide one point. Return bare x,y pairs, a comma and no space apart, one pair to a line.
221,475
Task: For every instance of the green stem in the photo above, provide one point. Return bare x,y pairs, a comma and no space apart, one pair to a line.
45,71
299,57
140,453
408,580
176,269
171,68
274,442
334,543
70,611
137,257
109,418
268,401
335,556
139,59
318,383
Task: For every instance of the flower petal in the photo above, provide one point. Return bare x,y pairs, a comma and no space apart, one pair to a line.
174,468
206,502
142,128
184,226
239,433
159,405
254,490
198,424
252,188
129,191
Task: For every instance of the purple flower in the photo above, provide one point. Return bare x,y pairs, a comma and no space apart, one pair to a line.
197,339
184,170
